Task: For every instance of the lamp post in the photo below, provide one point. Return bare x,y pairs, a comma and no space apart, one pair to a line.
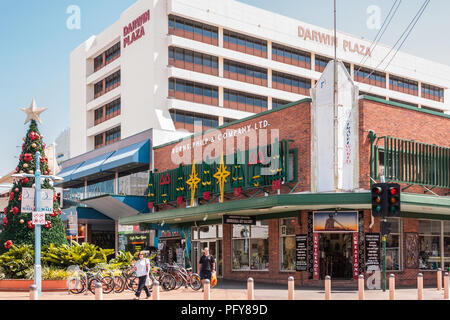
37,231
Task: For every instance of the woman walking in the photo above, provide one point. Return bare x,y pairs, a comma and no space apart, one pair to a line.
142,268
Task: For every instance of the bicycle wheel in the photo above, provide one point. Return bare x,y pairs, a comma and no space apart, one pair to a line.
119,284
108,284
133,284
195,281
168,282
179,281
77,286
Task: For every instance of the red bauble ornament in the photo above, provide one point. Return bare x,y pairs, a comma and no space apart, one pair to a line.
21,157
8,244
28,157
16,190
5,221
46,172
41,159
30,224
48,224
15,210
25,180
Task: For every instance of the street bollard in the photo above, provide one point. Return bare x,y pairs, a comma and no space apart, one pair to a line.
420,286
206,292
155,293
391,287
250,290
361,287
446,286
98,291
439,279
33,292
327,288
291,288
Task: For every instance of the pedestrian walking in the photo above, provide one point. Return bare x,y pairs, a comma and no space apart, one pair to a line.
142,268
206,265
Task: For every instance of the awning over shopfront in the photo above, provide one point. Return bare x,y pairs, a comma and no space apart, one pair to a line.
91,166
276,206
136,154
118,206
83,214
66,173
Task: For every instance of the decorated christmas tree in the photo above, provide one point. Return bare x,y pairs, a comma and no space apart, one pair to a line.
18,226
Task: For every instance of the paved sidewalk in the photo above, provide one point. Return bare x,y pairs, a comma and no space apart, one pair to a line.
266,293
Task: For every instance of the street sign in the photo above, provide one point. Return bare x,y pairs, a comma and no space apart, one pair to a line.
27,204
72,228
248,220
38,218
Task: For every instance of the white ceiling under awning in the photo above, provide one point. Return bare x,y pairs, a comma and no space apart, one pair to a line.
111,207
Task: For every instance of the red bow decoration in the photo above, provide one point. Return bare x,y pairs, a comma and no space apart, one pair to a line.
15,210
11,196
237,191
28,157
150,205
25,180
5,221
48,224
30,224
276,184
179,200
207,195
8,244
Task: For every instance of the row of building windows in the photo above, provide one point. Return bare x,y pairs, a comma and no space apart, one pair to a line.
276,103
195,61
108,137
193,30
291,83
107,57
289,55
107,112
195,92
239,42
244,101
186,120
109,83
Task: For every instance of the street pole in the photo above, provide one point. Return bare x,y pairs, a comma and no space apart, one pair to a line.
384,262
37,235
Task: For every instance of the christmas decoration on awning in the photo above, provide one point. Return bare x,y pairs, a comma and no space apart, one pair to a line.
164,182
193,182
255,161
238,178
221,177
151,191
206,186
180,190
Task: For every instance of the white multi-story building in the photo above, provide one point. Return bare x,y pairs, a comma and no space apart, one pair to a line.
165,63
62,146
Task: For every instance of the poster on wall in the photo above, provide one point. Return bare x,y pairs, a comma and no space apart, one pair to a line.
412,250
372,244
301,252
137,242
315,256
355,246
335,221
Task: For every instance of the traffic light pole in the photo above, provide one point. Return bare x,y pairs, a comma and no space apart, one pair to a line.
384,262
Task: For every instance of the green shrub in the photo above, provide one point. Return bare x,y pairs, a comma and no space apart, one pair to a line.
85,254
16,261
123,260
49,273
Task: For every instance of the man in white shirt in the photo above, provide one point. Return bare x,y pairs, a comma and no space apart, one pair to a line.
142,268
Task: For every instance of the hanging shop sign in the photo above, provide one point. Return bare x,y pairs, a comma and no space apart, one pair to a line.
301,252
355,246
372,249
315,256
72,224
137,242
27,204
135,29
246,220
335,221
169,234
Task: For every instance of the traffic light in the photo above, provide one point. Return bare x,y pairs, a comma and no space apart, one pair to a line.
378,199
385,228
393,195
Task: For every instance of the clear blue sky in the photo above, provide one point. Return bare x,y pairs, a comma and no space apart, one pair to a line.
36,45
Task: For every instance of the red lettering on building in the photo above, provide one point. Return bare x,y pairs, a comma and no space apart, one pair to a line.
135,29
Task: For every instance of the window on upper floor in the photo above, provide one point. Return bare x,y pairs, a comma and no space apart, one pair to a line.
240,42
291,56
432,93
193,30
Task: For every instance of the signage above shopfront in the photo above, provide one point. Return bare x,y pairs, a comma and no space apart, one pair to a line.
335,221
135,29
247,220
328,40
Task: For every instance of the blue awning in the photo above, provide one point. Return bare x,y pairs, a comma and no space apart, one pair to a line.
91,166
138,153
66,173
83,213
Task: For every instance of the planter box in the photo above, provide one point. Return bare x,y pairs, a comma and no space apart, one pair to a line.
24,285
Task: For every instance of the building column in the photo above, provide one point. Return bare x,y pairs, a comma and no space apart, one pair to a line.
116,182
116,237
221,67
221,97
387,80
269,103
313,61
269,78
352,70
220,121
220,37
85,188
269,50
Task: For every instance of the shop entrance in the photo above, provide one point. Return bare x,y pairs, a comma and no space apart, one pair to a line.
215,249
335,252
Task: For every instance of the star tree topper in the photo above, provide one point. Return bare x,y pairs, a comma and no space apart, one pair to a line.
33,112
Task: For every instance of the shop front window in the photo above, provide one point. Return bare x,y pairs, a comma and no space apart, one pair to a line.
393,245
446,245
250,247
429,248
133,184
287,243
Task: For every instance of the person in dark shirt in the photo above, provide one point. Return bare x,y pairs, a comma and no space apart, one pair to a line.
206,265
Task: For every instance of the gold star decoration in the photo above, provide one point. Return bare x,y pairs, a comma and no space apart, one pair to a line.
33,112
221,176
193,182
